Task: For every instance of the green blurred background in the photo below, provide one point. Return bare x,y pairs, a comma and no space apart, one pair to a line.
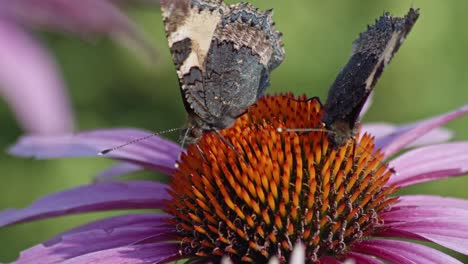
111,87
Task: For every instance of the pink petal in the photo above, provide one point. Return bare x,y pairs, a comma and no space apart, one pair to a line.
115,171
402,252
450,233
85,17
430,163
417,214
113,232
382,130
363,259
428,201
437,135
31,83
378,130
91,198
133,254
158,220
77,244
367,105
137,2
154,153
327,260
404,136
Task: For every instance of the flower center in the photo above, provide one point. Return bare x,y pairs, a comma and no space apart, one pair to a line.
265,190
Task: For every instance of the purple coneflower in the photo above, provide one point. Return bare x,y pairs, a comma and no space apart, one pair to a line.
29,78
274,191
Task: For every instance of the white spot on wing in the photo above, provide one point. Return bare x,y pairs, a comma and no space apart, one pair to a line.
199,27
385,57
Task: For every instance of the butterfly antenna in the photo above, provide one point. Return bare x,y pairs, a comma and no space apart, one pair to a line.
227,142
286,130
109,150
182,145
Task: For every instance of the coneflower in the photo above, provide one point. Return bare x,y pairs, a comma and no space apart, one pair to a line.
260,195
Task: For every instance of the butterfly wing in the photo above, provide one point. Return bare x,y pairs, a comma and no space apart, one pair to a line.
372,52
224,56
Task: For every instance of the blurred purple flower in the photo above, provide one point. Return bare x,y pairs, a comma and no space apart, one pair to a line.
29,78
149,238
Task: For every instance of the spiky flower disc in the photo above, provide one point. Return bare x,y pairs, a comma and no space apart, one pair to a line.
258,195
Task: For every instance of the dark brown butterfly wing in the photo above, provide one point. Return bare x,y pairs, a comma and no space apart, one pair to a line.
224,55
372,52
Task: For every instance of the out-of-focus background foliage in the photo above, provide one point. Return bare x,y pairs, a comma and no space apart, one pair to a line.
110,87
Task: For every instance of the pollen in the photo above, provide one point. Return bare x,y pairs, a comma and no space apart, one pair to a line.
274,179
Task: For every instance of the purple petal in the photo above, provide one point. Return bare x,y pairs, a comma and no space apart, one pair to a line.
363,259
403,252
115,171
90,198
430,163
31,83
406,135
154,153
326,260
417,214
83,17
137,2
450,233
437,135
158,220
87,242
367,105
138,254
382,130
378,130
107,234
428,201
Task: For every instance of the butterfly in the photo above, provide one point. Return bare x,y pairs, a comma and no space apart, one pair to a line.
224,56
372,52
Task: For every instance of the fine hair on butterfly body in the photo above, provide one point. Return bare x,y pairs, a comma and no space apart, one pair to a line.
224,55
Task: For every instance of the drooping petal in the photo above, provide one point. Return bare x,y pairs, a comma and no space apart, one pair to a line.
137,2
86,242
329,260
158,220
133,254
379,130
382,130
91,198
417,214
403,252
109,233
115,171
430,163
154,153
396,141
429,201
367,105
450,233
363,259
31,83
84,17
